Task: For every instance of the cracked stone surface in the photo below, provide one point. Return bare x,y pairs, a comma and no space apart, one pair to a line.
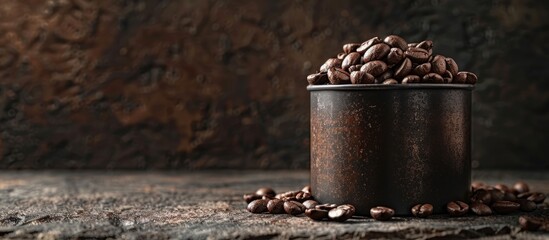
208,205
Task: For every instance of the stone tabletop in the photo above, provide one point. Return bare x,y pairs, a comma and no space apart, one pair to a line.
209,205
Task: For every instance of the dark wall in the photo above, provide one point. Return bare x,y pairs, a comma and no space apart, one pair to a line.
221,84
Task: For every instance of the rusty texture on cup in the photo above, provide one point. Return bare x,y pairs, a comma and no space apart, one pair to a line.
391,145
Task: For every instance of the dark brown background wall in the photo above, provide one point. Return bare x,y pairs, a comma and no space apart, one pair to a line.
220,84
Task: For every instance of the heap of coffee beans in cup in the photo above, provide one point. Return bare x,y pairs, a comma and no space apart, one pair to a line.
484,200
390,60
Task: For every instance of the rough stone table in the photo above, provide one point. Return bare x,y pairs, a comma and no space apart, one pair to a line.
208,205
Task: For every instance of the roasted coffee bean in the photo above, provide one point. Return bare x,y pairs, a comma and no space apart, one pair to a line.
502,187
438,64
310,203
307,189
417,55
404,69
354,68
303,196
422,69
317,78
480,209
482,196
275,206
478,185
376,52
505,207
521,187
412,45
451,66
390,81
509,196
316,214
375,68
361,77
532,196
382,213
294,208
411,79
496,195
326,206
466,77
395,56
422,210
267,197
350,47
351,59
527,205
287,196
338,76
265,191
367,44
257,206
396,42
447,77
341,213
427,45
432,78
457,208
250,197
531,223
341,56
386,75
330,63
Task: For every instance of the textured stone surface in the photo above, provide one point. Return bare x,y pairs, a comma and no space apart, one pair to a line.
200,205
220,84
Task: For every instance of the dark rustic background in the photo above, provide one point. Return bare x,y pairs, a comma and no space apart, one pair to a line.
221,84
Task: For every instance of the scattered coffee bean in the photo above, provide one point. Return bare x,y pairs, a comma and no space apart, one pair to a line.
338,76
287,196
439,64
411,79
478,185
531,223
317,78
375,68
480,209
341,213
395,56
509,196
250,197
350,47
307,189
310,203
527,205
502,187
382,213
367,44
396,42
521,187
275,206
422,210
265,191
404,69
482,196
457,208
330,63
390,81
422,69
532,196
257,206
351,59
326,206
303,196
294,208
433,78
417,55
496,195
316,214
361,77
505,207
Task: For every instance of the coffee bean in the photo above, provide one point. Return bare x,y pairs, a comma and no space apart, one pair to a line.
451,66
531,223
447,77
267,197
316,214
533,196
394,56
482,196
390,81
502,187
478,185
457,208
367,44
466,77
422,210
427,45
404,69
341,213
275,206
303,196
257,206
265,191
350,47
439,64
382,213
432,78
338,76
317,78
496,195
354,68
307,189
411,79
375,68
294,208
376,52
341,56
310,203
509,196
422,69
250,197
521,187
412,45
386,75
330,63
326,206
287,196
480,209
351,59
417,55
505,207
527,205
361,77
396,42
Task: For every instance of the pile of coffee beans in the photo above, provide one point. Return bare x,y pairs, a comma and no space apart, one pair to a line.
484,200
390,61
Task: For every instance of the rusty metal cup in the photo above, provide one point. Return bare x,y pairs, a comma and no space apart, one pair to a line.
391,145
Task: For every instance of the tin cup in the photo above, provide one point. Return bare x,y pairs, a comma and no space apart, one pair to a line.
391,145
